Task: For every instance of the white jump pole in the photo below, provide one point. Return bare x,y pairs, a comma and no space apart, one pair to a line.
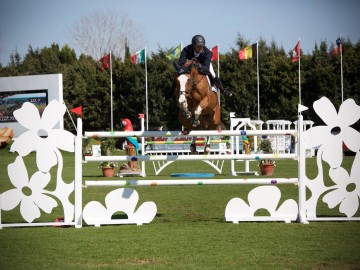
78,175
150,133
301,167
186,182
191,157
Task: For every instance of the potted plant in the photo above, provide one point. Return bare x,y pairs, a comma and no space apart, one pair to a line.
108,168
267,166
108,146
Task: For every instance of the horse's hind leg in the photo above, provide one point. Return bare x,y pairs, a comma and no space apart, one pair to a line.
207,146
193,146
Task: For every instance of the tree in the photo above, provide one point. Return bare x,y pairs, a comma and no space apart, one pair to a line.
102,31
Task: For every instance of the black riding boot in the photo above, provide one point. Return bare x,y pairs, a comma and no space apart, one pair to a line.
219,85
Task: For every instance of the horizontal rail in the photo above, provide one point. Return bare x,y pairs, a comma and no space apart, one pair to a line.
191,157
186,142
178,182
188,134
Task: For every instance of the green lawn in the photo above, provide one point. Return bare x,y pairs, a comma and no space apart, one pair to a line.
189,231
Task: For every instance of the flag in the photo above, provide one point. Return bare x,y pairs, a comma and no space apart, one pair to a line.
248,52
173,52
334,50
295,53
77,110
215,53
105,61
138,57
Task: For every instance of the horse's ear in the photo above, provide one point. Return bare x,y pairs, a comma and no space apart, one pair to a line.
177,66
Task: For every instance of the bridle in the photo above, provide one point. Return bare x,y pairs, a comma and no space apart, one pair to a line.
191,80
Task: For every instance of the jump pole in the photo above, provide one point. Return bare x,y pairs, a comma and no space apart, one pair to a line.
153,133
191,157
189,182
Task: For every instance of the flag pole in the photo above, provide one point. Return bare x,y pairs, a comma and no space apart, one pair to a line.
299,74
111,95
258,80
146,90
341,70
218,60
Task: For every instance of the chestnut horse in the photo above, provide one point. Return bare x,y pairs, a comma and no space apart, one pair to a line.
199,105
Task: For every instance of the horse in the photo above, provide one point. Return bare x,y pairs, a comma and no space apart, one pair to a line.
199,105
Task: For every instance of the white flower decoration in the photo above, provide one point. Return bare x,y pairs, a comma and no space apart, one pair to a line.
347,190
29,117
29,194
336,131
263,197
119,200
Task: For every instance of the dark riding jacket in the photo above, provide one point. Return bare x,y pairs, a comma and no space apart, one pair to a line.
204,58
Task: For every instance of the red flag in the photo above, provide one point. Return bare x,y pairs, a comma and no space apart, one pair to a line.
215,53
105,61
77,110
336,49
295,53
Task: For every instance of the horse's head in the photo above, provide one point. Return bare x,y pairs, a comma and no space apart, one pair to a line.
185,80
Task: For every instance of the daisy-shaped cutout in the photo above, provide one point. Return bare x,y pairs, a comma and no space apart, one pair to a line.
347,190
29,117
336,131
27,193
263,197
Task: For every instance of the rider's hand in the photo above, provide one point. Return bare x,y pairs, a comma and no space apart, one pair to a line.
198,66
183,70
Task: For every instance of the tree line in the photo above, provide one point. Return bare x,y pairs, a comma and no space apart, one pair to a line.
86,85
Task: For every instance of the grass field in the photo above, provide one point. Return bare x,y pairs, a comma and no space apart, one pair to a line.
189,231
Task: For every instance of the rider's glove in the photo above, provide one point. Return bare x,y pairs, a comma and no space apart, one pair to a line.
183,70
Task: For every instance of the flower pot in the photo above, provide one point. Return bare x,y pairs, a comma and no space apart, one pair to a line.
108,171
267,169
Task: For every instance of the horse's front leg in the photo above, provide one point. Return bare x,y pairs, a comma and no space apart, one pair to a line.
193,146
203,104
184,105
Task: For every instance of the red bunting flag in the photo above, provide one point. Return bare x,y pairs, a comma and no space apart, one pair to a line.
105,61
77,110
295,53
215,53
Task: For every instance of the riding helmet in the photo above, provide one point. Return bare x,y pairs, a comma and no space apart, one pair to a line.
198,40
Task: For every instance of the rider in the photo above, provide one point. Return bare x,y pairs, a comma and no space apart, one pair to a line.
199,51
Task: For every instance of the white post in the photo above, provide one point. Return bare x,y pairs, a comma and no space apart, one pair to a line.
78,175
111,95
146,94
299,75
258,80
143,173
301,170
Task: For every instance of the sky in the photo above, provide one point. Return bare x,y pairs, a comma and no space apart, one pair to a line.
166,23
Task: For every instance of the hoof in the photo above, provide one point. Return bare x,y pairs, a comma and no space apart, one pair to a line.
196,123
207,149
